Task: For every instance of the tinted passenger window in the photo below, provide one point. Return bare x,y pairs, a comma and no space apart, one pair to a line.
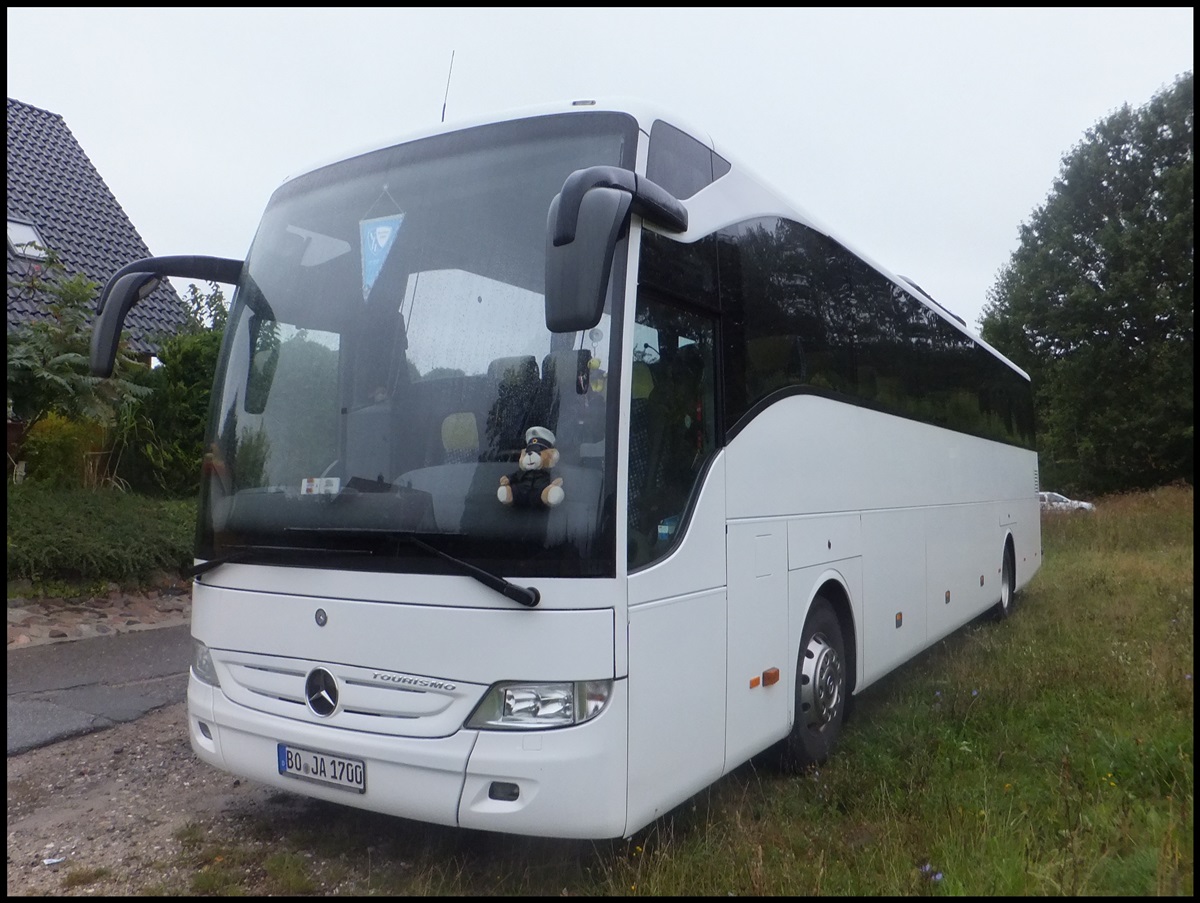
680,163
805,314
684,271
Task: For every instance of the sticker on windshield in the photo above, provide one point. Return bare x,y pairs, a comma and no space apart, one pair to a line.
320,486
378,236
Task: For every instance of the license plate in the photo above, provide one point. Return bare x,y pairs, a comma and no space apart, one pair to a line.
323,768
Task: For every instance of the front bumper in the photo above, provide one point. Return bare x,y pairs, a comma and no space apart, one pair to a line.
571,781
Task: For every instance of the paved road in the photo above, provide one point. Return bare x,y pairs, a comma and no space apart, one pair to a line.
61,690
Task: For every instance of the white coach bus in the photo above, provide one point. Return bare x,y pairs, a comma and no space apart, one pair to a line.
558,466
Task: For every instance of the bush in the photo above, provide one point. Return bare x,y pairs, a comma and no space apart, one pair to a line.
61,453
166,440
80,534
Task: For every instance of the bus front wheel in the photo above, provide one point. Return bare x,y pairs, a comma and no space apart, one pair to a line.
821,690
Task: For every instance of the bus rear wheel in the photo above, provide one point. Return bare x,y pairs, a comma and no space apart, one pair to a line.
821,690
1008,586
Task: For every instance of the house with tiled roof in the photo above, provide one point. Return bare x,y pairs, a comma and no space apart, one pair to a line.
57,201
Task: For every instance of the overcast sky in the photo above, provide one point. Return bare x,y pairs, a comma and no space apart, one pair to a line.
923,137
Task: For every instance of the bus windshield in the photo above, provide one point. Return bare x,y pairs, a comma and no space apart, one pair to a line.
387,361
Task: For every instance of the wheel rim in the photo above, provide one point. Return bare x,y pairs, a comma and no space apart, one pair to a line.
1006,588
822,683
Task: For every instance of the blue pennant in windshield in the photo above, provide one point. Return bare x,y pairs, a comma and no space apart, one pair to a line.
378,236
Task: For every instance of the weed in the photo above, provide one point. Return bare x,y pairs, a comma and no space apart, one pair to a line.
81,877
287,874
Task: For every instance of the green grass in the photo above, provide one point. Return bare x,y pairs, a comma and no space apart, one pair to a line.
1050,754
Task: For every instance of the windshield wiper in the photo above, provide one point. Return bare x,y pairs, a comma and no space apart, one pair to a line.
245,552
525,595
205,566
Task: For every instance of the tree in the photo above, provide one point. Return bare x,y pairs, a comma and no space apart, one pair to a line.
207,311
47,365
1096,303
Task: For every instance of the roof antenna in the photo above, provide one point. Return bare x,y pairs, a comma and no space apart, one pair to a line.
447,97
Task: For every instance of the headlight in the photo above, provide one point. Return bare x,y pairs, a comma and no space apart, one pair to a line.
536,706
202,664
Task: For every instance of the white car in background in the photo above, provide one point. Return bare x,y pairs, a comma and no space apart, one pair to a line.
1054,501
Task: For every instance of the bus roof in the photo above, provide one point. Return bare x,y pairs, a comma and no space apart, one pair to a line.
644,112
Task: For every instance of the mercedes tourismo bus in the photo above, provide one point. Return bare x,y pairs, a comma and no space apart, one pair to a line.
782,471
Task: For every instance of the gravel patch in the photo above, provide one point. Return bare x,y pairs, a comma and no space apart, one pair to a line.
98,815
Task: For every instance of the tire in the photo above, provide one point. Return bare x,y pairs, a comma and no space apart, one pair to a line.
1008,587
822,691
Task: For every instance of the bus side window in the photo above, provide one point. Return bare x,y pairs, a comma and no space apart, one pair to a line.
639,439
671,434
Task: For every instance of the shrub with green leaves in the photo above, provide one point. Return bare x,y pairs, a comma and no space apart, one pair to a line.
162,438
63,453
47,361
81,534
166,436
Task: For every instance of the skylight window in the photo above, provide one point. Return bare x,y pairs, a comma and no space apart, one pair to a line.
25,240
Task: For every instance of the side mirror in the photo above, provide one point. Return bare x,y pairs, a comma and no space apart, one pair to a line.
132,283
582,227
577,273
121,295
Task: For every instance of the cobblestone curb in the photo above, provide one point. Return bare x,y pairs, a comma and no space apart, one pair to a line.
37,621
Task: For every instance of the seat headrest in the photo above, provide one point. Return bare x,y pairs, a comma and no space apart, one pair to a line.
460,432
518,367
642,381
